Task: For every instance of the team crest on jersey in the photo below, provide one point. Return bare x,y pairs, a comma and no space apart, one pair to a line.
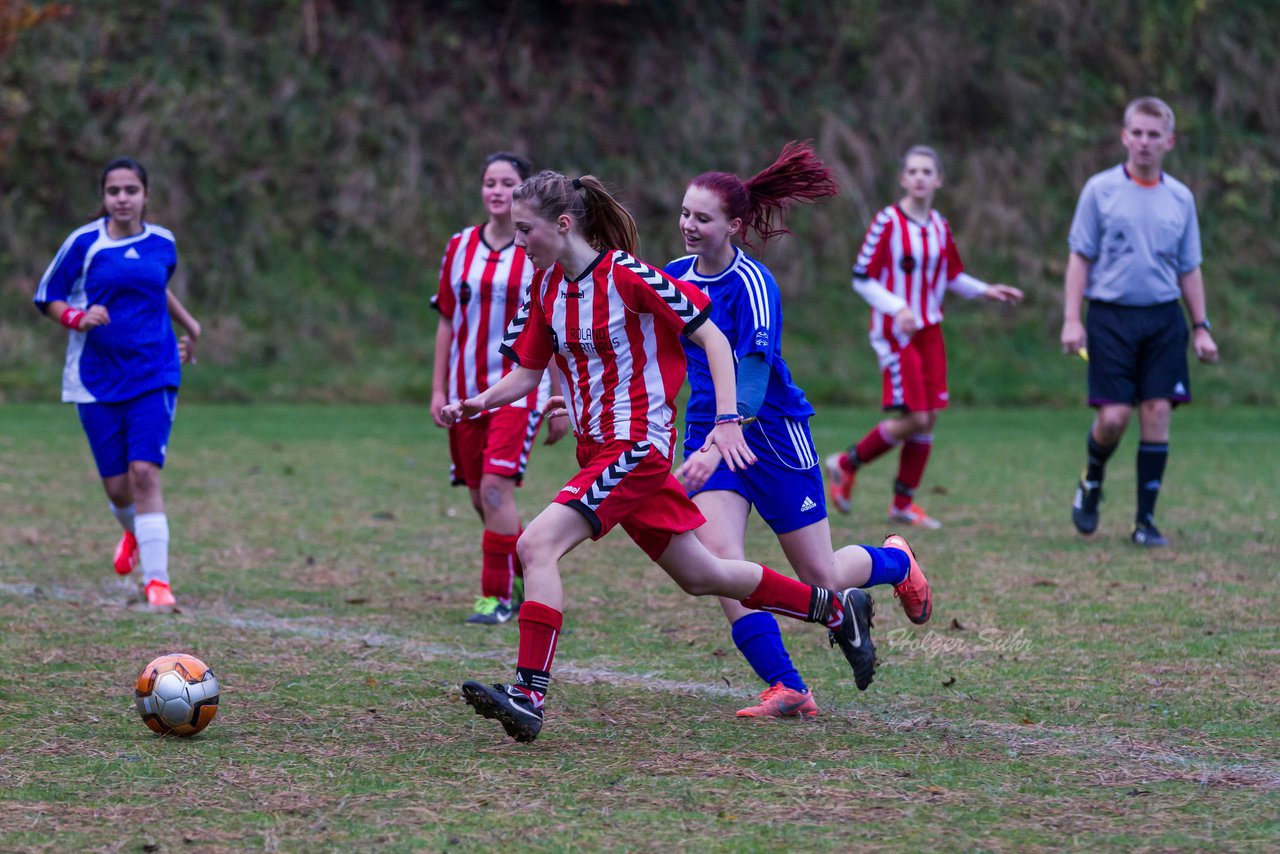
464,293
908,264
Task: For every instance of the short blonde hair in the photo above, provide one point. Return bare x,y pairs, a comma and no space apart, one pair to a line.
925,151
1150,106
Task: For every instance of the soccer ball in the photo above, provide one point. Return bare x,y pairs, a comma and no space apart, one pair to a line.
177,694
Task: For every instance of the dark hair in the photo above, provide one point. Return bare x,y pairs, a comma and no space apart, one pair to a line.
604,222
797,175
522,166
120,163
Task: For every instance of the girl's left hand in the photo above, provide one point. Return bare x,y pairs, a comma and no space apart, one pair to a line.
694,471
186,350
728,439
1003,293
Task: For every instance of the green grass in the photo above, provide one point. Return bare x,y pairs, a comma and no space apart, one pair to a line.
1069,693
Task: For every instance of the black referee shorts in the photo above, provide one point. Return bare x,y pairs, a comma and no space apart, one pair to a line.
1137,353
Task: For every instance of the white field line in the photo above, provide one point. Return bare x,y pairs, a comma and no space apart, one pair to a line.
1253,771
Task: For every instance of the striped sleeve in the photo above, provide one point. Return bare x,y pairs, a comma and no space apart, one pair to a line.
525,341
760,325
652,291
445,301
66,268
875,253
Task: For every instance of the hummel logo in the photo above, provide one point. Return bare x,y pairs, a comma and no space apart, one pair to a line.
506,464
132,253
808,505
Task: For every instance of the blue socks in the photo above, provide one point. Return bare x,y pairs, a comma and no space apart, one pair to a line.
888,566
760,642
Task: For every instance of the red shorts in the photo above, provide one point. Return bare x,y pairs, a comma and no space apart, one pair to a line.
630,484
497,442
915,377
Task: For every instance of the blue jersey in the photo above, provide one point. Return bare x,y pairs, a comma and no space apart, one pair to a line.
746,306
136,352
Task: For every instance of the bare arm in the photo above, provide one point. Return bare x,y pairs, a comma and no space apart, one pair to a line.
1202,342
515,385
440,369
726,436
180,315
1073,338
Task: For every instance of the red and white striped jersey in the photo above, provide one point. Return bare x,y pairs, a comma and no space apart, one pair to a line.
481,290
614,333
906,263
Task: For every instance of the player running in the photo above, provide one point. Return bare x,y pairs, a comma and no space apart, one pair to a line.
907,263
484,278
108,284
785,483
611,323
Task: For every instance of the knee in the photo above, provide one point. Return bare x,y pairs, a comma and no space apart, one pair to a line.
921,422
118,491
494,494
1110,426
144,478
534,550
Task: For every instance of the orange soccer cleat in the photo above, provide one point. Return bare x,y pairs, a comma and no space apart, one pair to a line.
840,482
126,557
914,592
159,595
914,516
779,701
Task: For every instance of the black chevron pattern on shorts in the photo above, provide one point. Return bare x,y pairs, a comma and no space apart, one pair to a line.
661,285
613,474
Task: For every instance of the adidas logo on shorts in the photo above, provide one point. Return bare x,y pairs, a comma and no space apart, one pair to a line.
808,504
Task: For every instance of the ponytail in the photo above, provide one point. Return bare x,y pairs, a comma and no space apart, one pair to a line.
797,175
601,219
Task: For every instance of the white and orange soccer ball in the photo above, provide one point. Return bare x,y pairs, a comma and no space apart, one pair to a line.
177,694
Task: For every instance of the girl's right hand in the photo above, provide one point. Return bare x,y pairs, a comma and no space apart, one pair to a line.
905,321
460,409
96,316
438,403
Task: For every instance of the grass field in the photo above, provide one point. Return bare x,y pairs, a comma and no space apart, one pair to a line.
1069,693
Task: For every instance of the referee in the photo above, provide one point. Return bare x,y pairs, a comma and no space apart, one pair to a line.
1135,249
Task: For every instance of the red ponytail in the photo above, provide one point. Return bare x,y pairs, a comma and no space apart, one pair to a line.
797,175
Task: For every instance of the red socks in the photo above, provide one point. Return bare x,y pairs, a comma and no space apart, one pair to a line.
779,594
500,565
873,445
911,463
539,631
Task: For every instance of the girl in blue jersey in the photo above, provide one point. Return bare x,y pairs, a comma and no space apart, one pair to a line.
108,284
785,484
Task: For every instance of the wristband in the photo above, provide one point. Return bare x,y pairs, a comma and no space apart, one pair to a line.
71,318
729,418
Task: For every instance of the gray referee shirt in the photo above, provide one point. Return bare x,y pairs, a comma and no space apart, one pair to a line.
1139,239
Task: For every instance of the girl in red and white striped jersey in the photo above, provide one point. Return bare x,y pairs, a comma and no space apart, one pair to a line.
612,325
484,278
907,264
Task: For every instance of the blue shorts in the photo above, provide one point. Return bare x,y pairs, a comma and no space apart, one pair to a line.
135,429
784,485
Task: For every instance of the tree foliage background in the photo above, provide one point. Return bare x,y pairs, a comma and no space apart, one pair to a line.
313,157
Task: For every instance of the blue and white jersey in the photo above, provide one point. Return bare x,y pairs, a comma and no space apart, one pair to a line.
746,306
137,351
